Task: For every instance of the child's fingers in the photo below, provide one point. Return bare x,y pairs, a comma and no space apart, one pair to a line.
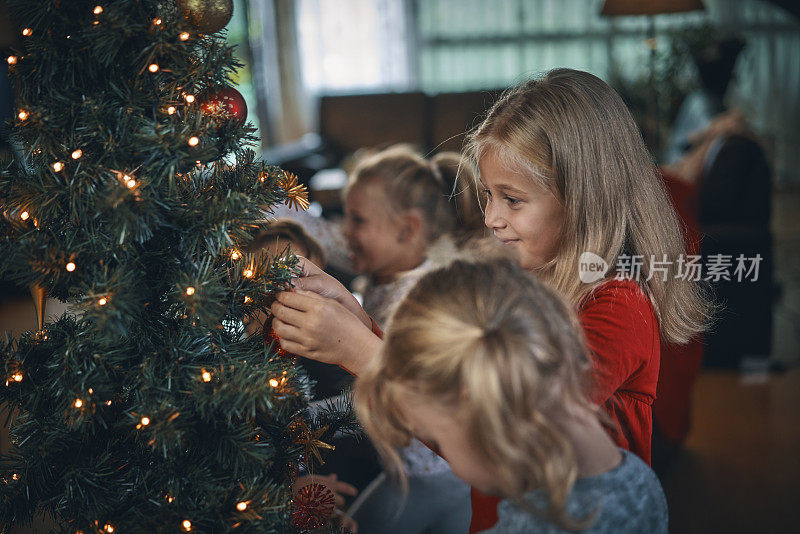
338,500
308,266
286,332
299,300
314,284
293,347
346,522
338,486
344,488
286,314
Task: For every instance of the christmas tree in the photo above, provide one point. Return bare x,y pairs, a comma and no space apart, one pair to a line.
133,198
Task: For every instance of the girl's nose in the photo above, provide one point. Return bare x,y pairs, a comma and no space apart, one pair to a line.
491,217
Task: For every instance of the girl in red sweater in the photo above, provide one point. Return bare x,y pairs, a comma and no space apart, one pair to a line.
570,189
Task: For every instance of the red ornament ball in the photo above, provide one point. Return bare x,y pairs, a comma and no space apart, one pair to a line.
312,506
224,104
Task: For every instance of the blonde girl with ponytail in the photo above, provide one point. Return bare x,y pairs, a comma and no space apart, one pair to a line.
488,366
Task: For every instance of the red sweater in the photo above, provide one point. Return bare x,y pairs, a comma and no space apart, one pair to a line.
622,334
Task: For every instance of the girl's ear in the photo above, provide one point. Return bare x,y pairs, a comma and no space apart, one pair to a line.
410,226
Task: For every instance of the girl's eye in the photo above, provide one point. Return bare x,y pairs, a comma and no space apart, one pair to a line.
512,201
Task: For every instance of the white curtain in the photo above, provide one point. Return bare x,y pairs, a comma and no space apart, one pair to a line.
354,45
286,107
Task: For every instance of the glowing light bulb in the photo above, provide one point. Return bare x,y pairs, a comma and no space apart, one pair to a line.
130,182
190,291
157,22
23,115
77,154
247,300
78,403
98,10
26,32
24,215
206,376
15,476
102,301
58,166
184,36
91,391
17,377
12,60
70,267
235,255
170,498
273,382
171,110
108,528
242,506
108,403
96,22
193,141
248,273
145,421
187,525
189,98
153,67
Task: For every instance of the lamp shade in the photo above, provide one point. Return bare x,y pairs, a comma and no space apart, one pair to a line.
649,7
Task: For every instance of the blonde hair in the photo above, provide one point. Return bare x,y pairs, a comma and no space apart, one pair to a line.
487,338
573,135
443,189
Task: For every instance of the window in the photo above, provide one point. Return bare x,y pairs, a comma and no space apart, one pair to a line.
353,45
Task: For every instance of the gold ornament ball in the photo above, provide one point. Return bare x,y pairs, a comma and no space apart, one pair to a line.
207,16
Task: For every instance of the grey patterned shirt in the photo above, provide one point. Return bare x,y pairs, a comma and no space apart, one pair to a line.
628,500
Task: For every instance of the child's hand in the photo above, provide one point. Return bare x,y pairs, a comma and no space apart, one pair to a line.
339,489
316,280
346,523
331,482
322,329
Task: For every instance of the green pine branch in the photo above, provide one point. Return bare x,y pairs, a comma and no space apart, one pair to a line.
145,405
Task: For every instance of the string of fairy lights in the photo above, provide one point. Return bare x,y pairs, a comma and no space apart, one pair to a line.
144,421
296,194
23,115
296,197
